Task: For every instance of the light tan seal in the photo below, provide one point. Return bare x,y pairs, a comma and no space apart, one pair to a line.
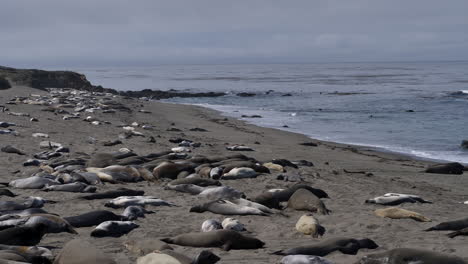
303,199
309,225
399,213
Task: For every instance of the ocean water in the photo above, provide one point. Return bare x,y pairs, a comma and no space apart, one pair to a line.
419,109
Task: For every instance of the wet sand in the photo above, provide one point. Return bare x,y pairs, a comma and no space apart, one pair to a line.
350,217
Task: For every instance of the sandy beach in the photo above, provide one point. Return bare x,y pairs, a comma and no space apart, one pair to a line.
349,174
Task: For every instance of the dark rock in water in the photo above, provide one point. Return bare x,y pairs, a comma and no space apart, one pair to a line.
12,150
410,111
246,94
310,144
449,168
464,144
284,163
101,160
285,126
4,84
303,163
288,94
156,94
198,129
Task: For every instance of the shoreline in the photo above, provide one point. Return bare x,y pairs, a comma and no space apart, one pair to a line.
337,170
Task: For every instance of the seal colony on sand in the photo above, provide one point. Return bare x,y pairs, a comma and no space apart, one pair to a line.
158,159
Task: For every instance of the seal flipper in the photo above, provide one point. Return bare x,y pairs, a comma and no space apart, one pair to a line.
226,246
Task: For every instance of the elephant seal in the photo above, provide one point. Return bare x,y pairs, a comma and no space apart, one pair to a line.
29,250
196,181
348,246
232,224
145,246
245,202
221,192
450,225
225,207
302,199
399,213
132,212
304,259
210,225
125,201
101,160
12,150
172,257
308,225
274,167
54,223
170,170
93,218
273,199
113,228
113,194
72,253
396,199
34,182
116,173
71,187
30,202
226,239
23,235
239,173
448,168
410,256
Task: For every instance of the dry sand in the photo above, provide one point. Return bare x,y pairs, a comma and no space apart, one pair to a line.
350,217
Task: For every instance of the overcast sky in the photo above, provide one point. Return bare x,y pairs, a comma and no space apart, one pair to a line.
151,32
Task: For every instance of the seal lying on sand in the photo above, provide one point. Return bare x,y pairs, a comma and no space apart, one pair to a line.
113,228
125,201
34,182
210,225
410,256
462,232
73,253
308,225
113,194
348,246
30,202
54,223
450,225
172,257
145,246
71,187
93,218
134,211
226,239
273,199
303,199
304,259
396,199
226,207
399,213
23,235
196,181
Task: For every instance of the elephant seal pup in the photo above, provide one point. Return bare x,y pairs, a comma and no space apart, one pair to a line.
34,182
30,202
170,170
393,200
399,213
6,192
93,218
450,225
348,246
302,199
304,259
116,173
23,235
125,201
132,212
273,199
71,187
414,197
145,246
239,173
221,192
245,202
54,223
210,225
72,253
113,228
113,194
462,232
308,225
226,239
32,250
225,207
233,224
410,256
196,181
172,257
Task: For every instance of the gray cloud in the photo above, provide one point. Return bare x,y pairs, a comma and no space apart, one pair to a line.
125,32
